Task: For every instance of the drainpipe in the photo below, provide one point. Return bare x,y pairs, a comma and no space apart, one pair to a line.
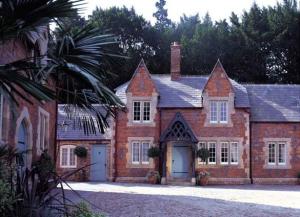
250,152
115,154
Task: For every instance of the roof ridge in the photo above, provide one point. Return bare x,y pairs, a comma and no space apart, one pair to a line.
168,75
275,85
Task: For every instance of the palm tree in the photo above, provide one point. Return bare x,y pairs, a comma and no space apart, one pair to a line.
76,59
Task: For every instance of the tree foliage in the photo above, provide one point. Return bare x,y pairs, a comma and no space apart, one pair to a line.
261,46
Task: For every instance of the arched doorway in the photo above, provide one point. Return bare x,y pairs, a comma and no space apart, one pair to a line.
22,145
180,140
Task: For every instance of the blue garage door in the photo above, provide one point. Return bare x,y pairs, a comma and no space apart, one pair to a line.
98,159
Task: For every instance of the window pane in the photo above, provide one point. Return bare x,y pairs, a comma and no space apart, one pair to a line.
224,152
212,153
234,153
271,159
72,157
201,145
213,112
135,152
146,111
223,111
136,111
46,134
42,130
145,149
64,156
282,153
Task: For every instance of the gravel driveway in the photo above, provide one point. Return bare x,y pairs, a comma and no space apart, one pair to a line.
130,200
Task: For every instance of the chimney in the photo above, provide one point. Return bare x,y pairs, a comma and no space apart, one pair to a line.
175,61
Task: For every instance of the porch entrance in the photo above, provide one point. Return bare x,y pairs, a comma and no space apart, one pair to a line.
180,161
179,144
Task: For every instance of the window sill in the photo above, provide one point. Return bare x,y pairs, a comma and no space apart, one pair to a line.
68,167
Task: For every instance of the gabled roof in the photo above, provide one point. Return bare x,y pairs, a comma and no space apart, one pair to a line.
217,65
137,70
178,130
185,92
274,103
66,130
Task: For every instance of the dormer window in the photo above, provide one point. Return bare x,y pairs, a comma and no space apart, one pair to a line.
218,112
141,111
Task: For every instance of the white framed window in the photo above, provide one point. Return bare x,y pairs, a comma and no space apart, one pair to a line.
281,153
141,111
234,153
146,115
224,153
223,111
135,152
139,152
68,158
145,148
272,154
201,145
136,111
212,153
218,112
1,114
213,112
43,130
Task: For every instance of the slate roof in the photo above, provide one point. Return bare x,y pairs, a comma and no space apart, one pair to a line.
274,103
185,92
66,130
269,103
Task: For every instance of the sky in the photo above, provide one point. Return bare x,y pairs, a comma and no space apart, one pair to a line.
218,9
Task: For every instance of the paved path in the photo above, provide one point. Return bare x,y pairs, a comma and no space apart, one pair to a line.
130,200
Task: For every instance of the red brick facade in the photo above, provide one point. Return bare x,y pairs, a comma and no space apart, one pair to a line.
24,111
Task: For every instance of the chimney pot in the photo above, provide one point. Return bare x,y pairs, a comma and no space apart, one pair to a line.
175,61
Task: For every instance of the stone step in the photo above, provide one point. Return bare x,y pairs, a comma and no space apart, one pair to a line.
180,182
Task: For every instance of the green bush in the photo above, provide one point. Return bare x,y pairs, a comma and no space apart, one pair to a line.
153,152
203,154
6,199
84,210
80,151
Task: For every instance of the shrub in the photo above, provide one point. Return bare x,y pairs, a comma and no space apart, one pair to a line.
6,199
84,210
203,154
154,152
80,151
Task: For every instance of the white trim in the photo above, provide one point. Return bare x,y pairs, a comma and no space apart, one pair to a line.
142,107
237,153
68,147
285,155
227,148
142,149
132,150
215,143
275,153
47,131
24,116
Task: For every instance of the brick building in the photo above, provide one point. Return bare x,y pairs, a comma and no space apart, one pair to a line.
251,131
28,124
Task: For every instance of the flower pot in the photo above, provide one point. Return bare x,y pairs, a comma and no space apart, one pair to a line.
203,181
152,180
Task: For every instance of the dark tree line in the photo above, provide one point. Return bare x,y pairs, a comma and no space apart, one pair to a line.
261,46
